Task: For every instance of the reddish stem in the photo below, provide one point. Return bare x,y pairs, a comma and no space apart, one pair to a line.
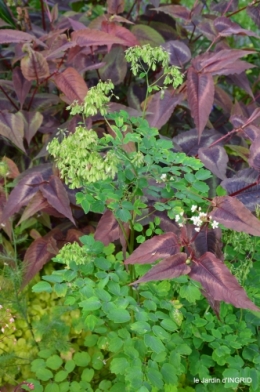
9,99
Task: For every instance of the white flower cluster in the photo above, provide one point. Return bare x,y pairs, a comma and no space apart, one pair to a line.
164,178
197,220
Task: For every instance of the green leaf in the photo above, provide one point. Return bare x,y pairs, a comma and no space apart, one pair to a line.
43,374
155,377
64,386
60,289
169,325
61,376
102,263
169,374
190,292
53,278
81,358
220,191
123,214
119,365
138,227
92,303
119,316
203,174
42,287
54,362
70,365
44,354
87,375
140,327
154,343
5,14
53,387
200,186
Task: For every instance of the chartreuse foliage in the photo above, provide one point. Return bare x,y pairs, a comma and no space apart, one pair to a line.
158,337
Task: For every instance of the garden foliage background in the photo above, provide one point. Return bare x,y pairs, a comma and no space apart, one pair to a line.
82,327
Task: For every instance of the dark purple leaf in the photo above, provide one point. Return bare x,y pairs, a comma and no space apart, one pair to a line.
200,89
90,37
120,32
33,65
159,110
179,52
231,213
37,203
222,99
115,6
226,27
225,6
250,197
207,29
176,11
147,35
215,159
115,67
71,83
57,197
158,247
32,122
169,268
21,85
12,127
241,81
217,280
254,12
207,240
188,140
254,158
107,229
22,194
251,132
37,255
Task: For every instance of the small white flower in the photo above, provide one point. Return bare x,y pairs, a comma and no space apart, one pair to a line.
197,229
163,177
181,213
181,224
193,208
177,218
1,306
2,329
215,224
11,320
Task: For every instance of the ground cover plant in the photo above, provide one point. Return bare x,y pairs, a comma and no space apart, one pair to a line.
130,133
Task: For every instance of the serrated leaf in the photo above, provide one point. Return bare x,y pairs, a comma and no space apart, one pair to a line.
54,362
42,287
33,65
169,268
154,343
217,280
156,248
200,88
71,83
81,358
119,315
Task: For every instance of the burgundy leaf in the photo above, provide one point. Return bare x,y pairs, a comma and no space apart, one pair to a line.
107,229
8,36
223,99
115,6
215,62
207,29
207,240
237,68
188,141
215,305
12,127
158,247
241,81
225,6
159,110
251,132
37,203
6,224
90,37
12,168
71,83
217,280
179,52
242,184
226,27
254,12
115,67
21,194
32,122
120,32
36,256
215,159
231,213
57,197
200,88
169,268
33,65
254,158
176,11
21,85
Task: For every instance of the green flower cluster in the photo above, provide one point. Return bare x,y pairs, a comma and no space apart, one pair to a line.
96,100
72,252
79,161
